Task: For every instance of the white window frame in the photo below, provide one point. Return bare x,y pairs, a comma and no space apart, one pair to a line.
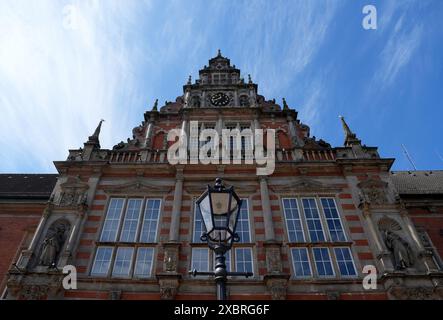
131,259
300,217
309,263
330,261
236,259
116,235
95,261
141,276
246,200
194,249
339,219
142,219
352,260
194,224
319,218
142,201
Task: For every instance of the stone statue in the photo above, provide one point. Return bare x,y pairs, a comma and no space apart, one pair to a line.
401,250
51,247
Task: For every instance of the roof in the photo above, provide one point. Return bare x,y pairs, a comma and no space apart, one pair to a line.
418,182
27,186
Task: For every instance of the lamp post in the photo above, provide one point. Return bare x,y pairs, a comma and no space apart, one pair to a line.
220,208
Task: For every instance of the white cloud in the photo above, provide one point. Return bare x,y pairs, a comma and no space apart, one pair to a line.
62,69
285,39
397,53
402,39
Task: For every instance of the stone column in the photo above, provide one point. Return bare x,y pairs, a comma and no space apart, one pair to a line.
176,206
267,213
425,256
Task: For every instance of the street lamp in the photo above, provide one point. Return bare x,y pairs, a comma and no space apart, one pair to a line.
220,208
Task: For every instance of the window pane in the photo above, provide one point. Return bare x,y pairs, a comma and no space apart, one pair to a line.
345,261
200,259
333,219
293,221
150,221
313,220
243,260
143,264
323,262
243,222
130,223
300,259
199,227
102,261
123,262
112,221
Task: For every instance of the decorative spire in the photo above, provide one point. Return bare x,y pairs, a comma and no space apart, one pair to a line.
249,78
94,139
285,105
350,137
154,108
189,80
97,130
219,53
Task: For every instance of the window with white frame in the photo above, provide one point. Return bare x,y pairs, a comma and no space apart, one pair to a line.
199,226
102,261
243,260
132,221
345,262
323,262
313,221
301,262
333,219
293,220
143,263
243,229
320,223
123,262
200,259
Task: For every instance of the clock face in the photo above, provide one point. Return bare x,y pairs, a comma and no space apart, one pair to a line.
220,99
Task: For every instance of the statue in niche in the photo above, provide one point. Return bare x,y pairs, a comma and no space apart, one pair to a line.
400,249
402,254
52,244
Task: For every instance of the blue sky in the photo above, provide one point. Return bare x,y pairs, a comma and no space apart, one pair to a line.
64,65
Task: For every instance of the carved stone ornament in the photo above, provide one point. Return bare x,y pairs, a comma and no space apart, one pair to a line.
73,192
168,288
34,292
373,191
34,287
416,293
170,260
137,187
273,260
304,185
277,287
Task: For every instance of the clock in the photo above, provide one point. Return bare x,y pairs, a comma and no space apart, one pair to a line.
220,99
